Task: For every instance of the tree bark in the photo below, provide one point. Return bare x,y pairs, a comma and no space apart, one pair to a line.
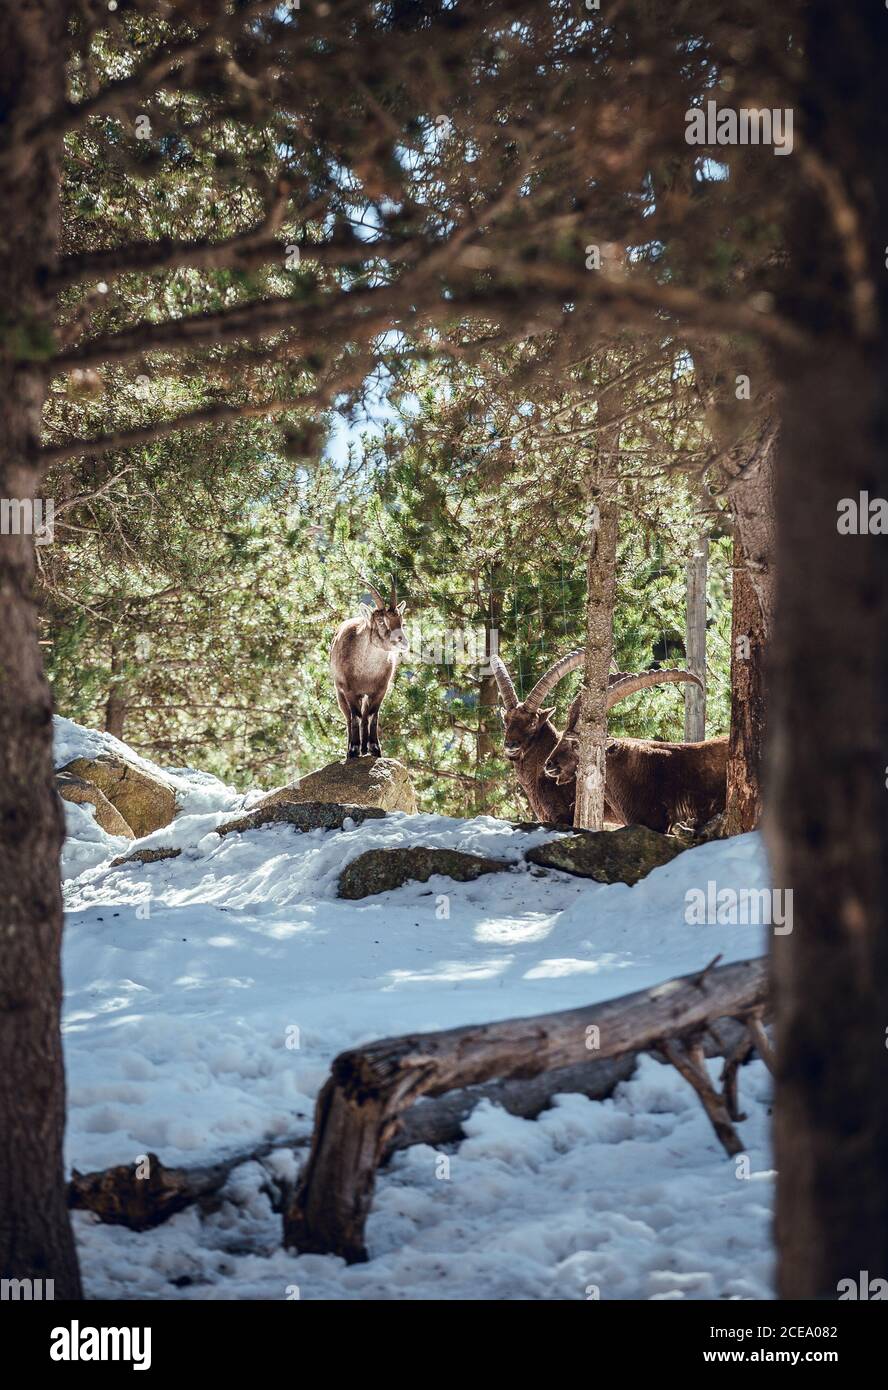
35,1233
826,818
601,580
746,745
115,706
695,641
751,498
747,473
601,572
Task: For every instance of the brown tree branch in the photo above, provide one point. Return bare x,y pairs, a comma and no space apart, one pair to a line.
246,251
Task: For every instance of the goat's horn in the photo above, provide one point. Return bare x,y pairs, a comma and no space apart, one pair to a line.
374,591
627,685
504,682
394,599
547,682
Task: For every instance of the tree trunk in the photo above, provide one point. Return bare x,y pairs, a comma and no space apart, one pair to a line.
601,572
695,641
35,1234
746,744
488,698
751,499
828,744
748,482
115,706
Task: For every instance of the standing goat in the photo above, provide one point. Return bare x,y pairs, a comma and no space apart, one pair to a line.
649,782
364,658
530,738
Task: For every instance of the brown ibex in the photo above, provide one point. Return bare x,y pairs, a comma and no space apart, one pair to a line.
364,658
649,782
530,737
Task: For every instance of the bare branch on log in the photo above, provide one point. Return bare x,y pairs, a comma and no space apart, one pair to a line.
740,1055
761,1041
687,1058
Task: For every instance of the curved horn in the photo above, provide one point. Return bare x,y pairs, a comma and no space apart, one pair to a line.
563,666
393,602
628,684
380,601
504,682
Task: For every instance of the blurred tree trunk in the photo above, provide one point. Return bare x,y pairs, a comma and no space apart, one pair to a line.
827,817
695,640
115,706
746,743
751,500
35,1233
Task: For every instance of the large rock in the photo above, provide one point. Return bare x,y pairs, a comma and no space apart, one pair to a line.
381,869
310,815
145,802
382,782
79,791
609,856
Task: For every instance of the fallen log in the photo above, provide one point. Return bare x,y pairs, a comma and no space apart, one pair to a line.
359,1111
146,1193
128,1195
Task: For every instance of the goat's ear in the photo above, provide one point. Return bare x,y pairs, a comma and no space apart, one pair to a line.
402,606
546,713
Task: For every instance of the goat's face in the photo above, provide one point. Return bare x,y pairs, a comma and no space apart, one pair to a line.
387,625
563,761
520,727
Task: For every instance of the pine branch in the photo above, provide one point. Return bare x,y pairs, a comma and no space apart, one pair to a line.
246,251
25,144
207,415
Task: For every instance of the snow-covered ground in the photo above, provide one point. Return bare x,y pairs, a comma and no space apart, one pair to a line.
206,996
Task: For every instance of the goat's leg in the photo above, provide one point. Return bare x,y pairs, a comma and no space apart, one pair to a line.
373,733
353,722
365,728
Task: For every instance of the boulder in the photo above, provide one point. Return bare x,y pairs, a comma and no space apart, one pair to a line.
380,782
145,802
309,815
79,791
378,870
146,856
609,856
